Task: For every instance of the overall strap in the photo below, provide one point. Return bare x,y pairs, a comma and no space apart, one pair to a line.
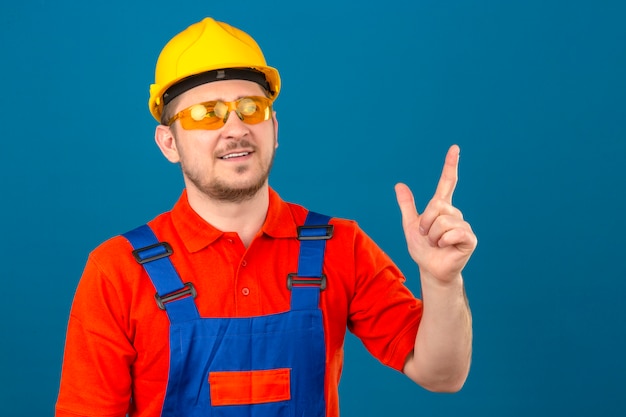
172,295
306,284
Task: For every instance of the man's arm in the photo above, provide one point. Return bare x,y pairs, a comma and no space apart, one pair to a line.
95,377
441,243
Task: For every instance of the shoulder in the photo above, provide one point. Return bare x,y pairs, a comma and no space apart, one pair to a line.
284,217
116,253
342,226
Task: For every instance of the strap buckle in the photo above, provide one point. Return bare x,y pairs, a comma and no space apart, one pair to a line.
294,279
313,232
152,252
187,290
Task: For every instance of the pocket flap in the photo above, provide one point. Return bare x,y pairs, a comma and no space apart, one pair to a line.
249,387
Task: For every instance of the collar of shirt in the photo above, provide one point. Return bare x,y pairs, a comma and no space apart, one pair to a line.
197,234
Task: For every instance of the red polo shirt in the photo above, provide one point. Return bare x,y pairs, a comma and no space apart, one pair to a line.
117,344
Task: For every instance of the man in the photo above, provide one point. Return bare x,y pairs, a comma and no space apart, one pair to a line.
236,302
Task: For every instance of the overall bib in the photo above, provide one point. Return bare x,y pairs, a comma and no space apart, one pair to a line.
260,366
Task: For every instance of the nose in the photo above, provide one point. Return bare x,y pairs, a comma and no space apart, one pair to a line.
234,127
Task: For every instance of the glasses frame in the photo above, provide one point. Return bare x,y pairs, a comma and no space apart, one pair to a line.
188,122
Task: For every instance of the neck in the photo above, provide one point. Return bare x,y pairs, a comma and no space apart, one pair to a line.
244,218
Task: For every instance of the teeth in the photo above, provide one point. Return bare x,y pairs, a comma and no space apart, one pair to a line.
234,155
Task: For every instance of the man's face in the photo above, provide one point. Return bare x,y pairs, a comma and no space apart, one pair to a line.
233,162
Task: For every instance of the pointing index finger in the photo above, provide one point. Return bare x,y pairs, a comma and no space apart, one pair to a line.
449,175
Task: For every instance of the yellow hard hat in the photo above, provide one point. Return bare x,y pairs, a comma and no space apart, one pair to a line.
208,51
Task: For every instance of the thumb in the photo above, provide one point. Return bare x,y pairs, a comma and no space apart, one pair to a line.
406,202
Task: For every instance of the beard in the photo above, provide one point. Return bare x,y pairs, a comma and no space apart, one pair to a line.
220,190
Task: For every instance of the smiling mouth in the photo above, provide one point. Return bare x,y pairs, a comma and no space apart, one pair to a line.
235,155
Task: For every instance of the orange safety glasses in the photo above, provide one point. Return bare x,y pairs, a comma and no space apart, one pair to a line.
212,115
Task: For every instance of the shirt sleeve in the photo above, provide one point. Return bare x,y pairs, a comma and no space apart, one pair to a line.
384,314
95,378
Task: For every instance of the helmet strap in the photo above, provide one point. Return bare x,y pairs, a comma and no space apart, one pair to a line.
247,74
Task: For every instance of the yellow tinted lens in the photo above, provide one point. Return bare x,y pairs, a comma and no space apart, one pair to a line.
254,110
202,116
198,112
221,109
247,106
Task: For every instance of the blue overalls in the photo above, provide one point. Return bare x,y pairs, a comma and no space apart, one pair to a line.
243,367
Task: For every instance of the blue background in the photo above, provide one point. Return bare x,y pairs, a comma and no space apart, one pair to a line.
533,91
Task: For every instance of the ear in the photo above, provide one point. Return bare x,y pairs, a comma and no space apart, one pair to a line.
275,121
166,142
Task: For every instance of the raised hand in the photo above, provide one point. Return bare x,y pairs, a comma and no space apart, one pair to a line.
439,240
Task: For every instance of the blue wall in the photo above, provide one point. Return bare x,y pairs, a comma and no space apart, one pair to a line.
534,92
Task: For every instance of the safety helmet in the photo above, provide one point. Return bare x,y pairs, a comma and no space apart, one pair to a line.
208,51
